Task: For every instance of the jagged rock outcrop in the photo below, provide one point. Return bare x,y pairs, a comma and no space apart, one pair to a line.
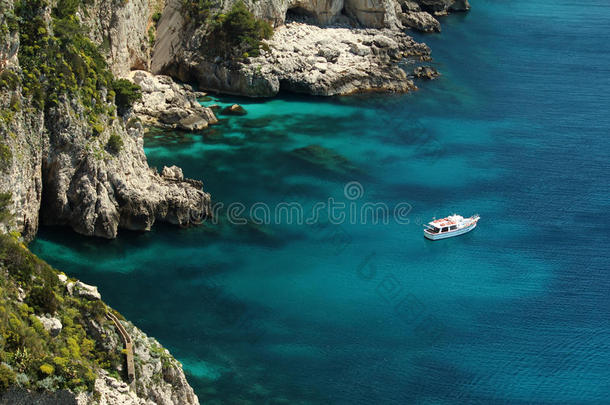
167,104
421,21
87,291
337,60
419,14
321,61
160,380
81,362
96,191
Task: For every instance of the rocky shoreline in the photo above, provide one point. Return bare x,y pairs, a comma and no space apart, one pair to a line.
303,58
335,48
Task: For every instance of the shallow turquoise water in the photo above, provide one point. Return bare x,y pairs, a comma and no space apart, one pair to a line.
516,311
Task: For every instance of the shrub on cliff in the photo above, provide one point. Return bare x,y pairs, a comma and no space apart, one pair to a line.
238,33
7,377
6,157
115,144
126,93
197,9
9,80
43,300
5,201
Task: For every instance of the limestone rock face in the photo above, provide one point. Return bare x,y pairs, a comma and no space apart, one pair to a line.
168,104
20,171
122,30
153,362
373,13
321,11
59,169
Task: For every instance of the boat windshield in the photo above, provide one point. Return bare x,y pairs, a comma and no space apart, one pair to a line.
432,229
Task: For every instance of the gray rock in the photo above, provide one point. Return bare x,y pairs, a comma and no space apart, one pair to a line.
420,20
52,325
21,294
331,55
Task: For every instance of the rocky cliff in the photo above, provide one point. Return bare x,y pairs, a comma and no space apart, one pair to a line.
71,156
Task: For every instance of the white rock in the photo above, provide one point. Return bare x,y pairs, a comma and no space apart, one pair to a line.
87,291
52,325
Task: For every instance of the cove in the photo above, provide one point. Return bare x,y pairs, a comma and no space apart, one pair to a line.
516,311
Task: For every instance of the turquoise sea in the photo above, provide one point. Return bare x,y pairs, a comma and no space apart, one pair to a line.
517,311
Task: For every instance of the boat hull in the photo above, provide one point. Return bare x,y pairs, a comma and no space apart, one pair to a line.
445,235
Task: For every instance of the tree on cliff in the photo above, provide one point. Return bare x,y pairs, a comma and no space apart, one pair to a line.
238,33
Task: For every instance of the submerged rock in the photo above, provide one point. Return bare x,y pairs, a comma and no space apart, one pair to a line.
234,109
324,158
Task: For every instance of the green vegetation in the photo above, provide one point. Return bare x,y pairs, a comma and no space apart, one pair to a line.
156,17
5,202
238,34
234,35
127,93
6,157
115,143
198,10
65,62
29,356
152,36
9,80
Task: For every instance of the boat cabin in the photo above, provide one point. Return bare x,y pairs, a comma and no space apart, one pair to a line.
436,229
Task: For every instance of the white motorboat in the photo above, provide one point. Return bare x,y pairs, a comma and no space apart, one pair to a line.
452,225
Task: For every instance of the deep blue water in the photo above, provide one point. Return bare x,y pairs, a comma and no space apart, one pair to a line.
517,311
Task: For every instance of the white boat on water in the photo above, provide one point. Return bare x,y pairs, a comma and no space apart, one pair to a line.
452,225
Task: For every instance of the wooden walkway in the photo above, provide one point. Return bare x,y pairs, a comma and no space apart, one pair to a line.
131,369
